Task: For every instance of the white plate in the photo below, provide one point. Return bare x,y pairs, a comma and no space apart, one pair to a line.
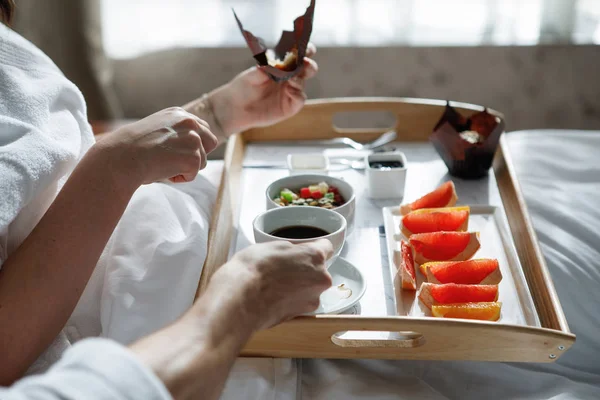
339,298
496,242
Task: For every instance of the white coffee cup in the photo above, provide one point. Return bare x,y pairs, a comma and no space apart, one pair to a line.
327,220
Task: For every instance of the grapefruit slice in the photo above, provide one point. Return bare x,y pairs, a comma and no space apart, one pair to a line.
428,220
423,267
483,271
443,196
444,246
489,311
406,267
433,294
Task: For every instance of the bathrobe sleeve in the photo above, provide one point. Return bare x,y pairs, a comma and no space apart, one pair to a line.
92,369
44,132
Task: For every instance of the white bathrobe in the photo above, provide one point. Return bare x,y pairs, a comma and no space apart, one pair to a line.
148,273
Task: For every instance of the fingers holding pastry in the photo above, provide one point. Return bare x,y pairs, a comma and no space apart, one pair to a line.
296,83
294,100
295,89
310,69
311,50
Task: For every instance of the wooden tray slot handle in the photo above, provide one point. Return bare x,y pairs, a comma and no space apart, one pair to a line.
344,122
407,338
396,340
414,119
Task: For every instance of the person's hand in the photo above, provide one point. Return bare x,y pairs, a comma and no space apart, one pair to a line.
252,99
276,281
170,144
259,287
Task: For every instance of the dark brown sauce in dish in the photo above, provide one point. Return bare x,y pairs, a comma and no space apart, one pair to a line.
385,164
299,232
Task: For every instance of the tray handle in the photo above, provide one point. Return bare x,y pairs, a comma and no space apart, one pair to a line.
415,119
409,338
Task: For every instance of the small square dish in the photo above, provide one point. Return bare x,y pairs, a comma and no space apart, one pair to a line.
386,174
308,163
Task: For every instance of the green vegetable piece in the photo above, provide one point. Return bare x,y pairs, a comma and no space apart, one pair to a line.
329,195
287,196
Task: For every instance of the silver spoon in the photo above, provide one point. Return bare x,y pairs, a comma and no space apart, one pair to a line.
382,140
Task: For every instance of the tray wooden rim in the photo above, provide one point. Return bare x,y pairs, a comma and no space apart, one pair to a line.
315,122
304,337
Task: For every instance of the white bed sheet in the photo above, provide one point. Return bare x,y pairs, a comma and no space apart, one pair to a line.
145,277
559,172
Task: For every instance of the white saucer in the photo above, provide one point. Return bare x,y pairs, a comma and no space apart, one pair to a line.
339,298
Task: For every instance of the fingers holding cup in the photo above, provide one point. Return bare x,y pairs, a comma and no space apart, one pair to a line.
323,251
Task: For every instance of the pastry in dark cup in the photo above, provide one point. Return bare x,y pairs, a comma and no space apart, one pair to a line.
467,145
287,58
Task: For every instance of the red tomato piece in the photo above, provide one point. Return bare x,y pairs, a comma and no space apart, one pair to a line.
305,193
316,195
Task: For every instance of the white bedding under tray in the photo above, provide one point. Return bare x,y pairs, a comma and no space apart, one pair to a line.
559,172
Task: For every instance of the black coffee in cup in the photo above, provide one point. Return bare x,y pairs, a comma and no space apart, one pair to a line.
299,232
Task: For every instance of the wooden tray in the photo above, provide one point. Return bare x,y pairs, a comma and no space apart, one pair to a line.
423,338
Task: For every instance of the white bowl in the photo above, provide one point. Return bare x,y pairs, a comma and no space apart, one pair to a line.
296,182
281,217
